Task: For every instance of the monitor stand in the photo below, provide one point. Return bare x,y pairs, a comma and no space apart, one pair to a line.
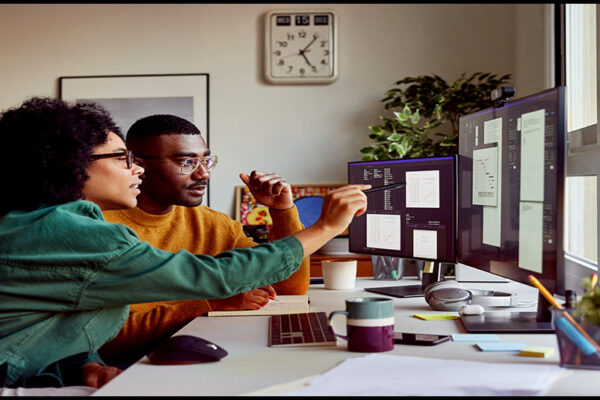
512,322
431,274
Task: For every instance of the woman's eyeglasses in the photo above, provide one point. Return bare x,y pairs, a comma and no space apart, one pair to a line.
126,154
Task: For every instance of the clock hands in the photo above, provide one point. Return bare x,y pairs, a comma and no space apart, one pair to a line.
308,45
301,52
309,64
305,50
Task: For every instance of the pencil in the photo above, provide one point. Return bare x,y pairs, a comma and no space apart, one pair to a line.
565,314
386,187
544,292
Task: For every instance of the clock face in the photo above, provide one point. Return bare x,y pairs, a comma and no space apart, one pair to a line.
301,47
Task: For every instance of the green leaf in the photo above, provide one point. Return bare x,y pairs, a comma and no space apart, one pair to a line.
394,137
402,149
400,117
375,128
415,117
367,157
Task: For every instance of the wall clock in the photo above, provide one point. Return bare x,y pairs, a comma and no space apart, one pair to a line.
301,47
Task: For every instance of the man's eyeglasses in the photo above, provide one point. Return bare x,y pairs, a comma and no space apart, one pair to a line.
189,165
126,154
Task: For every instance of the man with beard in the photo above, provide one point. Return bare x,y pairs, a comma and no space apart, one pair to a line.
177,164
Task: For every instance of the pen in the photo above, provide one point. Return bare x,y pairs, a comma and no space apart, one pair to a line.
567,324
386,187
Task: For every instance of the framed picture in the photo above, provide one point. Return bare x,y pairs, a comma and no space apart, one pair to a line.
307,198
131,97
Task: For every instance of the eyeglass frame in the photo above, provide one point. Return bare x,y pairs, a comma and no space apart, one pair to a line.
128,153
200,159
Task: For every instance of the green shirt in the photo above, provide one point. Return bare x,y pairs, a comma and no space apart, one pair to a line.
67,277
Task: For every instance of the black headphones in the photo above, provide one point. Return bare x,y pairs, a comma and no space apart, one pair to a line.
449,295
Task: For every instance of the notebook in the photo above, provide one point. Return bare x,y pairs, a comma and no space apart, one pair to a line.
282,304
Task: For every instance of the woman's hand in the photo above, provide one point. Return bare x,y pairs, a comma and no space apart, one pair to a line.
339,207
96,375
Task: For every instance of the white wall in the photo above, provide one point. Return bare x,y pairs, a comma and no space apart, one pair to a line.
307,134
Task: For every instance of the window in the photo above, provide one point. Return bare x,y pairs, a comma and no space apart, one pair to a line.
582,92
583,163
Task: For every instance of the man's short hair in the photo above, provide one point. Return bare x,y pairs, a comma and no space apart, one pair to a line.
160,124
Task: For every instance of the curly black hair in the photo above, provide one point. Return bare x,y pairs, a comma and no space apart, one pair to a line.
159,124
46,146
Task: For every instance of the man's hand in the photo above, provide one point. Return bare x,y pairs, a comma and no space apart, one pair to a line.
96,375
269,189
250,300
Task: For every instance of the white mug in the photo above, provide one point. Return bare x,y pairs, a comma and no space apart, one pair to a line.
339,274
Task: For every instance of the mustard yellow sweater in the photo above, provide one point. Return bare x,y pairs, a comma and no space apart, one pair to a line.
200,230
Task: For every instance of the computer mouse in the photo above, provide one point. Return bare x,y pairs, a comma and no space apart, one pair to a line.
472,309
185,349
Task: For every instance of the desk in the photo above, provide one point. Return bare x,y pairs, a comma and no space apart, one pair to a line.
251,365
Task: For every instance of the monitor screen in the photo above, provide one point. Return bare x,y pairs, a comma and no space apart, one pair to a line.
415,220
511,170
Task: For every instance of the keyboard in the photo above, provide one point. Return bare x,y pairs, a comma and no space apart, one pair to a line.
304,329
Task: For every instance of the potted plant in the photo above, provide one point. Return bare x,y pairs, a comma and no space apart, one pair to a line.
423,106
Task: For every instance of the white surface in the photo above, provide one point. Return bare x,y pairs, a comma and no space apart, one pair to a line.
492,215
339,275
533,149
465,273
253,367
531,231
377,375
383,231
423,189
425,243
336,246
78,391
485,176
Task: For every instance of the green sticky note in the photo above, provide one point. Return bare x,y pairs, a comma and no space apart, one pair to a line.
436,317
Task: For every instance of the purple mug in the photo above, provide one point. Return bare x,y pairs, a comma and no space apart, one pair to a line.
369,324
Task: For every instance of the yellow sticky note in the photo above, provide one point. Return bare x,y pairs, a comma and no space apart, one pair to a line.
436,317
537,351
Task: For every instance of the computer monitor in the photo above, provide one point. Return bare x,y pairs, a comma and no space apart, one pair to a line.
416,220
511,172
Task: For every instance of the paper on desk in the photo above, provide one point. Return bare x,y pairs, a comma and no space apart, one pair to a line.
391,375
282,304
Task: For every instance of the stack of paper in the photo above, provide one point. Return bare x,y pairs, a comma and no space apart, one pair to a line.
390,375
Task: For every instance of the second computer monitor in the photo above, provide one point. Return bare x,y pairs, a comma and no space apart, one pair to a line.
416,220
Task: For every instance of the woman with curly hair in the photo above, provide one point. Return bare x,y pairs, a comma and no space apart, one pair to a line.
67,276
